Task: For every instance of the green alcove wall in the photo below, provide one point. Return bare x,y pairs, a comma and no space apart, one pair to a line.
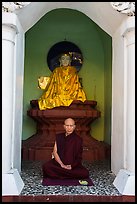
96,47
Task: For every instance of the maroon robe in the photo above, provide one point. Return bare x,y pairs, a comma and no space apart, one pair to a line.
69,149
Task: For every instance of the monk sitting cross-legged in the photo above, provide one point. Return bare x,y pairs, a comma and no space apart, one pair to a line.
67,155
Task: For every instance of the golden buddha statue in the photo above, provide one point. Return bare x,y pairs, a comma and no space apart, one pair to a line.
62,87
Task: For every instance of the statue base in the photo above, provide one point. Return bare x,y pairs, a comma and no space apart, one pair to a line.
50,122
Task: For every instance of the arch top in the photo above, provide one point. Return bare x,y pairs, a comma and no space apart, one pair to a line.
109,20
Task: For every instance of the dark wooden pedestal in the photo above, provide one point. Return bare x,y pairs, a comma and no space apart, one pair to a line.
50,121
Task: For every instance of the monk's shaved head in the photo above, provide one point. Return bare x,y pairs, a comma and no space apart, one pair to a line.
69,120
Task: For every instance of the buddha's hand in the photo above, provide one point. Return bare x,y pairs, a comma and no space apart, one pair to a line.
43,82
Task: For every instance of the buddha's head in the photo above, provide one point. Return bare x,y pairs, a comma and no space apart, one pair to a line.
65,59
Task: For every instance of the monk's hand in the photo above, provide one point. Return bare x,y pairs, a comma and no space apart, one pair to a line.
69,167
66,166
63,166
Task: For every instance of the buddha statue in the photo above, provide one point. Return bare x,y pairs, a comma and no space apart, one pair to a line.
62,87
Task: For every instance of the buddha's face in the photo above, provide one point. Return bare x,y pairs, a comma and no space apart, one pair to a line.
65,60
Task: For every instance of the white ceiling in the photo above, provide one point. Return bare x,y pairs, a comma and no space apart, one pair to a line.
101,13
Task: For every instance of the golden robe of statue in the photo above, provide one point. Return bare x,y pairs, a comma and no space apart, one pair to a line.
63,87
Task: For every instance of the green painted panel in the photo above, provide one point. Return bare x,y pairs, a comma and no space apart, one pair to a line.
96,46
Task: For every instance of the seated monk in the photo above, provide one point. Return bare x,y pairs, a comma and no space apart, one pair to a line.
67,156
63,86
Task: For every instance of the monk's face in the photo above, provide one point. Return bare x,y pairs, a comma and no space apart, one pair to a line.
69,126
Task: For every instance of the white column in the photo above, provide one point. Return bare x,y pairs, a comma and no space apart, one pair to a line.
8,41
125,180
12,183
130,98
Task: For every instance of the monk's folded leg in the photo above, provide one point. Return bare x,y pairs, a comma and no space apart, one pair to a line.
52,169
